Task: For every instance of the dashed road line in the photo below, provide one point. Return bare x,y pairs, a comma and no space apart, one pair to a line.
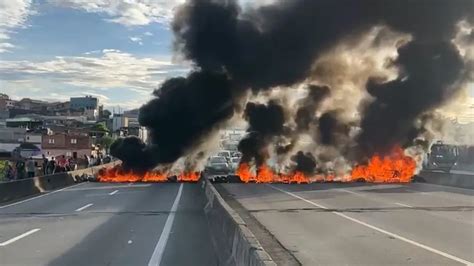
8,242
84,207
113,192
157,255
403,205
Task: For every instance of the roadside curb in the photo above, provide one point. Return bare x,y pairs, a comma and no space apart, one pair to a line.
235,244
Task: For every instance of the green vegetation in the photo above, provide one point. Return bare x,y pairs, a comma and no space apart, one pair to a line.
105,142
101,127
3,169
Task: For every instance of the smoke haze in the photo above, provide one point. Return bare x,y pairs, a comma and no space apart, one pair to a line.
281,45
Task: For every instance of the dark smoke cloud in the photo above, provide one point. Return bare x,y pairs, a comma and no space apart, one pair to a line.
305,163
183,111
265,121
305,115
132,152
429,71
331,128
276,45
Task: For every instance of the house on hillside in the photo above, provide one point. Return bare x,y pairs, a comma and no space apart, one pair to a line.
70,145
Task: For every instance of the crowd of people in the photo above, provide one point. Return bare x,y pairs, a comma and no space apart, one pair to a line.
27,168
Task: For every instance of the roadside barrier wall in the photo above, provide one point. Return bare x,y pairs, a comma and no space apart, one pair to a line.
234,243
18,189
447,179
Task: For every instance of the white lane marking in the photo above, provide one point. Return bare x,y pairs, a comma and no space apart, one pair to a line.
39,196
84,207
113,192
416,191
155,259
298,197
348,191
365,196
403,205
399,237
32,231
109,187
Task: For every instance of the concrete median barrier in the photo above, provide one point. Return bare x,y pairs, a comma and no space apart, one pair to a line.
18,189
235,244
447,179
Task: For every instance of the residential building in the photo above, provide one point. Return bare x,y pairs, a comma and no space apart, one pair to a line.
138,131
33,105
89,105
87,102
119,121
12,135
24,122
5,102
34,137
71,145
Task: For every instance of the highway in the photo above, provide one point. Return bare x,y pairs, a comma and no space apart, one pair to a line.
108,224
364,224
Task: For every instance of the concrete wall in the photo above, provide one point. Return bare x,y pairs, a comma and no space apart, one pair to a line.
234,242
447,179
29,187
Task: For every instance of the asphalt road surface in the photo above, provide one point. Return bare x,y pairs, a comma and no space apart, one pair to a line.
108,224
364,224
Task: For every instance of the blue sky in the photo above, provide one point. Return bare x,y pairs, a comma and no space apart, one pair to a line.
55,49
116,50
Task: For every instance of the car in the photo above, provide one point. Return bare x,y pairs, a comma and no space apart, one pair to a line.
226,154
234,163
217,167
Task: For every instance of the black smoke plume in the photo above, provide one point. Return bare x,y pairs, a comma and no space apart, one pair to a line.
132,151
276,45
331,128
305,115
265,121
429,73
183,111
304,163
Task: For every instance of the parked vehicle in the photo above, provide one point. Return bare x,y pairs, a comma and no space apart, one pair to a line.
217,167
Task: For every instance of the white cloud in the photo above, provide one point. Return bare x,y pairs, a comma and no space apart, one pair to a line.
138,12
148,33
136,39
108,69
128,13
13,14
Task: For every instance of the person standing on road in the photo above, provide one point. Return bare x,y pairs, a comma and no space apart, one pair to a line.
30,167
45,165
10,172
20,169
62,163
51,166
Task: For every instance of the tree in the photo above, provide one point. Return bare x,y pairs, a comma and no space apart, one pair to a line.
105,142
100,127
106,114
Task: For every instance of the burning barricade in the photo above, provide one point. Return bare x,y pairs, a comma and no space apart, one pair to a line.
395,167
118,175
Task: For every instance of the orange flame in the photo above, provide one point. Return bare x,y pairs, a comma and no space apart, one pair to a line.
244,173
188,177
117,175
393,168
266,175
